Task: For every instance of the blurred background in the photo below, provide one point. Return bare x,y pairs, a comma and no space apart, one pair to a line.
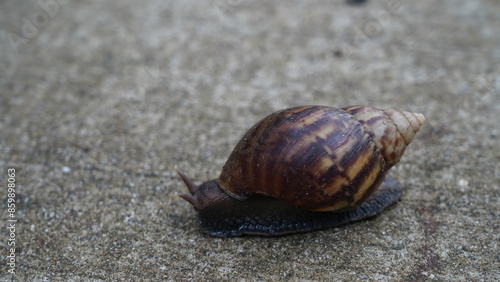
99,100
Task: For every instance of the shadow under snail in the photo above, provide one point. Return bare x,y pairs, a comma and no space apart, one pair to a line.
306,168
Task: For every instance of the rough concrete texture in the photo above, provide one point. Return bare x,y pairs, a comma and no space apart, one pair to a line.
99,100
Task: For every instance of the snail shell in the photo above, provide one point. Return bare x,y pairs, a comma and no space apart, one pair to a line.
306,168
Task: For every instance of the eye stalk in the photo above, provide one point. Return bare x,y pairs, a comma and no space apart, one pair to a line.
189,184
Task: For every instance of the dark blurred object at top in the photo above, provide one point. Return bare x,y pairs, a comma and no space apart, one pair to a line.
356,2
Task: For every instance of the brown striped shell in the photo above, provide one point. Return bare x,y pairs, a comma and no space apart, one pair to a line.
319,158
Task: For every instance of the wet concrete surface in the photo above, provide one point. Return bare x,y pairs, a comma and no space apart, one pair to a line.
99,101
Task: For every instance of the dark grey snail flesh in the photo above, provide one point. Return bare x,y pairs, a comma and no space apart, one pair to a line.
328,168
224,216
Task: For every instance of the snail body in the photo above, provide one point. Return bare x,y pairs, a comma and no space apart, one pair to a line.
306,168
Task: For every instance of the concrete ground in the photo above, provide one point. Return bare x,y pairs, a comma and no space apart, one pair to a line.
99,100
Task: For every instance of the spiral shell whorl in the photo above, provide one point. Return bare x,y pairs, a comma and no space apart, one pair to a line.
391,130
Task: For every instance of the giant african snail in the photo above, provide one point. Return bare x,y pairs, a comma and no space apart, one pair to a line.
306,168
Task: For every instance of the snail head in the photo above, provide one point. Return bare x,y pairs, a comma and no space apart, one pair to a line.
201,196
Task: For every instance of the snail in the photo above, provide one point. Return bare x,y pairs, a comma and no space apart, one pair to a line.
306,168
